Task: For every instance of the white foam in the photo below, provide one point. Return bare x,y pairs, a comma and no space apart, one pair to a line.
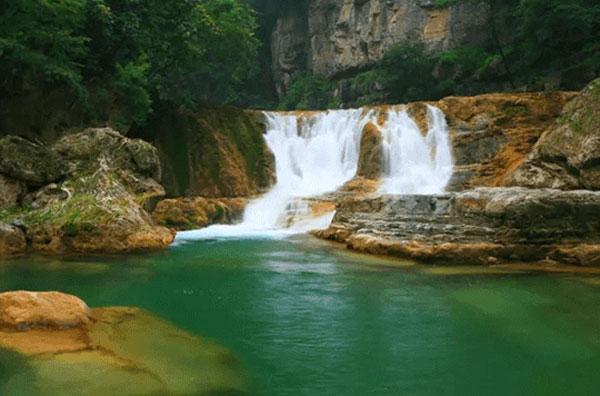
413,163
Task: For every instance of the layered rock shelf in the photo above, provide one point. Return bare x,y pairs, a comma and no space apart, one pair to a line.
480,226
551,214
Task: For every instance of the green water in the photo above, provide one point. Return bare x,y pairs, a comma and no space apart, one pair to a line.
306,319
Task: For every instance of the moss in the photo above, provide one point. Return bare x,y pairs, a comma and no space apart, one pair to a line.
9,214
515,110
582,122
198,149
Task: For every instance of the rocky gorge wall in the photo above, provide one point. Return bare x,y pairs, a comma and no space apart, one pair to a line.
335,37
214,152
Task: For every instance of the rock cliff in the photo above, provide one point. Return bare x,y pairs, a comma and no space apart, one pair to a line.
332,37
567,156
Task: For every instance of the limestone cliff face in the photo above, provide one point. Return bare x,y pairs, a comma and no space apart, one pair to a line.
335,36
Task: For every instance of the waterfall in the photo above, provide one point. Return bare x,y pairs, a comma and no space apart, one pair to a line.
318,153
314,154
413,163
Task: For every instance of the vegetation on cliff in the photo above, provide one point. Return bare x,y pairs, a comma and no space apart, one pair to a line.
555,45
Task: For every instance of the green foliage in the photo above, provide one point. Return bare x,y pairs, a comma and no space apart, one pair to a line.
445,3
131,83
185,52
40,42
558,37
307,92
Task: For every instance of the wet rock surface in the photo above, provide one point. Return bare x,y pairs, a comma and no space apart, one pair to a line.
71,349
12,240
480,226
371,153
194,213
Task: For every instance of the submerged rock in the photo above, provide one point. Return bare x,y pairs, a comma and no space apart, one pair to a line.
481,226
69,348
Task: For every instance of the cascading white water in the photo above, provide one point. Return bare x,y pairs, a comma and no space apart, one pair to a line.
313,155
413,163
316,154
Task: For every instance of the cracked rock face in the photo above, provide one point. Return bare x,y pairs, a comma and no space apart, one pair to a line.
567,155
334,36
480,226
29,162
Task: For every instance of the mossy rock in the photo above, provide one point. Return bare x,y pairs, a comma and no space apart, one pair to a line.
214,152
117,151
30,162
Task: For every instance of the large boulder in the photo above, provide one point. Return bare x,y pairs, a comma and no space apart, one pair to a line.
21,310
567,156
127,351
12,240
102,205
111,149
29,162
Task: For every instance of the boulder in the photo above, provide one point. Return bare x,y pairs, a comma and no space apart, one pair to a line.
30,162
193,213
567,155
21,310
111,150
370,160
12,240
102,205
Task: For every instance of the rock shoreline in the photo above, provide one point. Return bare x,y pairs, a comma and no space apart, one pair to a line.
88,193
481,226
